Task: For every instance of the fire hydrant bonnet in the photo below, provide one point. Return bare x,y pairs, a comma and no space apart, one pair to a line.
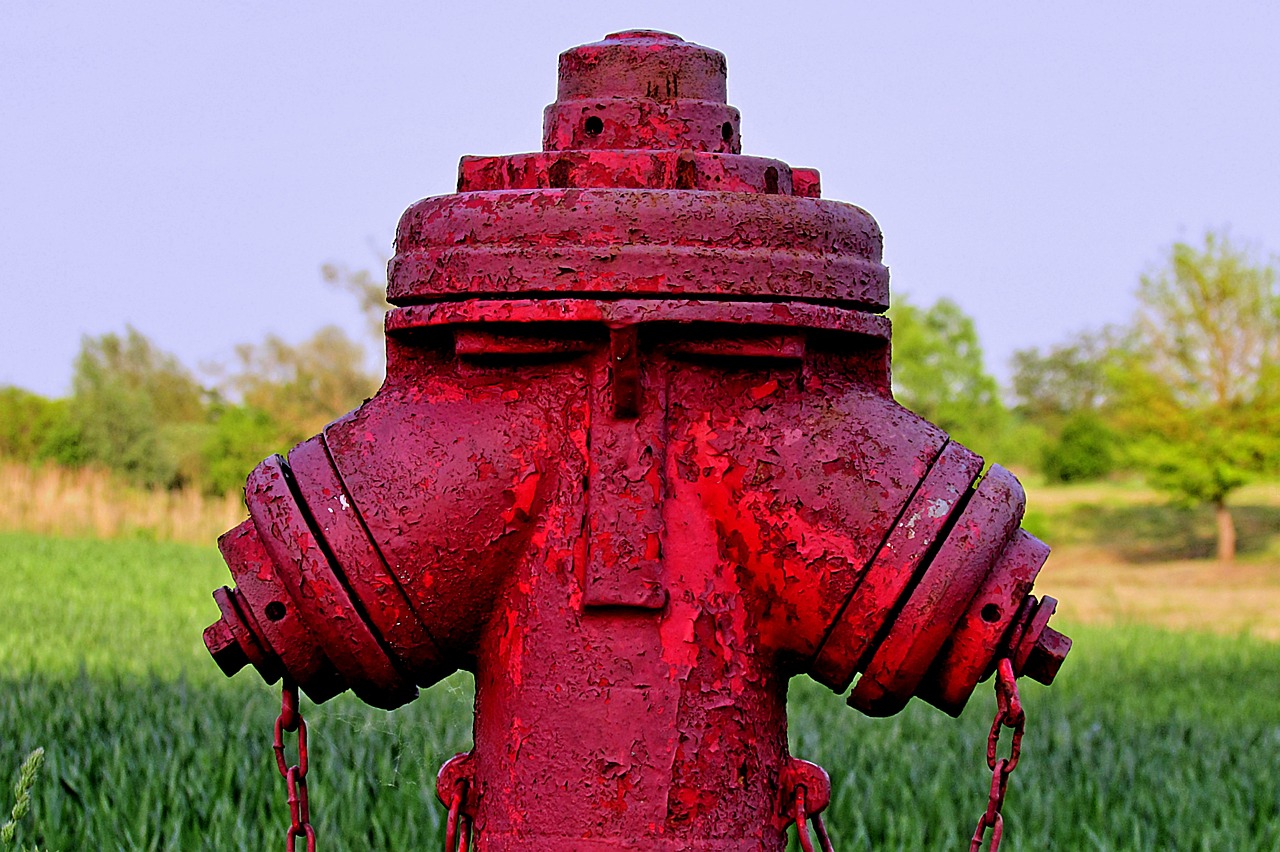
640,114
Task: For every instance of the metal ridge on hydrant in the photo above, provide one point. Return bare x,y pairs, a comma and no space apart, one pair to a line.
635,464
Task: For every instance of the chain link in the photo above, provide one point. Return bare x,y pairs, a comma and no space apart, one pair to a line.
457,830
1009,714
295,776
802,828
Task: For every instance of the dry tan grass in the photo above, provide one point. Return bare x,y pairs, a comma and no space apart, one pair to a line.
1094,583
1133,494
54,501
1121,555
1093,586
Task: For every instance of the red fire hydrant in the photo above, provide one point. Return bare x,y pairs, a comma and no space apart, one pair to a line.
635,464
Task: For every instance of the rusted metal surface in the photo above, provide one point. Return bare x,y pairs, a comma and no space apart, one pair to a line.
1009,714
452,785
295,775
635,464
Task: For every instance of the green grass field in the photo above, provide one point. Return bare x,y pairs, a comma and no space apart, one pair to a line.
1149,740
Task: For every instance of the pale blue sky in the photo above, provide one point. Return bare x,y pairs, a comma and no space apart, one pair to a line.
187,167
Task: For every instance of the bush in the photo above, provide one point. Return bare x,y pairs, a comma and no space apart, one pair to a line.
27,423
1085,450
240,437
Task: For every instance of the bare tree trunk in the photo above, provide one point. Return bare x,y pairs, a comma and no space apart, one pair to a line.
1226,533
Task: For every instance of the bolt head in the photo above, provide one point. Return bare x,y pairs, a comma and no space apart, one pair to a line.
226,651
1046,656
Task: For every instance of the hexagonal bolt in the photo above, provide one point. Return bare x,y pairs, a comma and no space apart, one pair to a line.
226,651
1046,657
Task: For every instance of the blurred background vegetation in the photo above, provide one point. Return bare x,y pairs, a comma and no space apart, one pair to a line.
1150,454
139,415
1184,396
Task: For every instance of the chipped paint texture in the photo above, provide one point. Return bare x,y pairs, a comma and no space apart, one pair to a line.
635,464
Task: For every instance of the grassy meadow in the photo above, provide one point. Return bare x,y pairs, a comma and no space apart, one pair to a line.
1162,733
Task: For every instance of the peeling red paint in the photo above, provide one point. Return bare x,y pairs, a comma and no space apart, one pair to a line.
635,464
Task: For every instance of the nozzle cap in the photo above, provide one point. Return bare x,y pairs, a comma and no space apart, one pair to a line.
226,651
1047,656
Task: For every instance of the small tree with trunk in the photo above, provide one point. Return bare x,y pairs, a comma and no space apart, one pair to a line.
1197,381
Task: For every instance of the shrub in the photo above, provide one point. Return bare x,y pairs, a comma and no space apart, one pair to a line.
1084,450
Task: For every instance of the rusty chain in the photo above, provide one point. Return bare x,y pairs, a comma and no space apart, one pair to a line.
457,830
802,827
1009,714
295,776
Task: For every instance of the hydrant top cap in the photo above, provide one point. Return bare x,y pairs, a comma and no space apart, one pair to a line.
643,64
648,35
641,89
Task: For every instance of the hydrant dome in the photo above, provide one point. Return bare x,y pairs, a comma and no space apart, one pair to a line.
640,192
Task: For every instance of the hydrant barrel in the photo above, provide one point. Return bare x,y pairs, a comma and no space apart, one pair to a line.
636,463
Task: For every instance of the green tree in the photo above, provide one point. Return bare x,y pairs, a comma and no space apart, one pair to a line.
27,420
1198,383
1067,378
369,290
1064,392
240,437
939,374
129,405
1084,449
302,387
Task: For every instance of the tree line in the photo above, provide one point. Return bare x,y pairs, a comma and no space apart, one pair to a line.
1186,393
139,412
